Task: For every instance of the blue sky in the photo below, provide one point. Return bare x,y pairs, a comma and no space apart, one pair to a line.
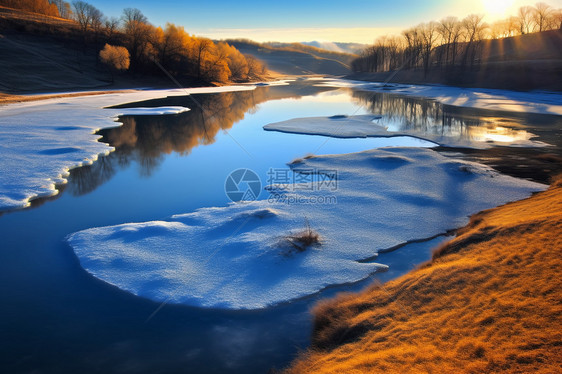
306,20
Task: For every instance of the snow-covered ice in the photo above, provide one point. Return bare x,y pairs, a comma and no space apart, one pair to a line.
237,257
483,98
161,110
362,126
41,140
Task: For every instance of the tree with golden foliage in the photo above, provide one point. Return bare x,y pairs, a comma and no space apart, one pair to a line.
186,55
36,6
115,57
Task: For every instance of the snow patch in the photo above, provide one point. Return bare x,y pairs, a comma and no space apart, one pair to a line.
236,257
162,110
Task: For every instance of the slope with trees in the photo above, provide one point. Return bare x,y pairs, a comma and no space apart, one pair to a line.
67,50
472,52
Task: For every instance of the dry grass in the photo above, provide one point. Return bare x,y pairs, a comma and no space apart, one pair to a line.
489,301
10,99
301,240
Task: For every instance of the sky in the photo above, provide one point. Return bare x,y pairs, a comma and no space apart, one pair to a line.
359,21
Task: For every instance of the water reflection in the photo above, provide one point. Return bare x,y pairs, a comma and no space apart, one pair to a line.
402,113
146,140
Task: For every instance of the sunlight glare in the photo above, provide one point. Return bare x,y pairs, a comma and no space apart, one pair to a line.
497,8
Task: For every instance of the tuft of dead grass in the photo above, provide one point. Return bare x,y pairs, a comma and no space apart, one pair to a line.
489,301
302,240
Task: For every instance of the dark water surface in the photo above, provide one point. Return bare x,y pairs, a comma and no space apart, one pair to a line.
55,318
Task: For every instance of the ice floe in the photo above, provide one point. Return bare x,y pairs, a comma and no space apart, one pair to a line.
243,256
361,126
162,110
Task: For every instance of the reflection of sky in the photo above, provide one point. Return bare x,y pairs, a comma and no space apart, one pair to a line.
198,179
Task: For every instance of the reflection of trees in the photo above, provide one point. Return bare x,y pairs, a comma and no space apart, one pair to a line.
146,139
85,179
401,113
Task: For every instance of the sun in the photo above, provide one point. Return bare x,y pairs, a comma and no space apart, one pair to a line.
497,8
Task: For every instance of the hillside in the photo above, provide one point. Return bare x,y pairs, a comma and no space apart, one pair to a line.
488,302
296,59
524,62
41,53
353,48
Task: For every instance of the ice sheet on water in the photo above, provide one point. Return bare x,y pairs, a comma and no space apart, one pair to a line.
363,126
238,257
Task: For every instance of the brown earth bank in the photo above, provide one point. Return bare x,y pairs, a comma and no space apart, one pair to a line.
489,301
9,99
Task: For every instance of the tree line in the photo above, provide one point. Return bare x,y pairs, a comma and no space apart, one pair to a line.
53,8
451,41
132,42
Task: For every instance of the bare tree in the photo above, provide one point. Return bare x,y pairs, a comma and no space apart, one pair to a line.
82,14
525,19
557,19
87,16
111,25
474,29
138,32
429,36
449,29
513,26
541,15
96,17
414,46
63,7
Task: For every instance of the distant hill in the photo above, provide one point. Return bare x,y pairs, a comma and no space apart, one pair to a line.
296,58
353,48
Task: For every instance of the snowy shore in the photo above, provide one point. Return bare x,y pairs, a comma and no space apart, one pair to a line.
41,141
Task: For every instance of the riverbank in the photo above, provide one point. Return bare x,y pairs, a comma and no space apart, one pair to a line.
522,63
11,99
488,301
508,75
